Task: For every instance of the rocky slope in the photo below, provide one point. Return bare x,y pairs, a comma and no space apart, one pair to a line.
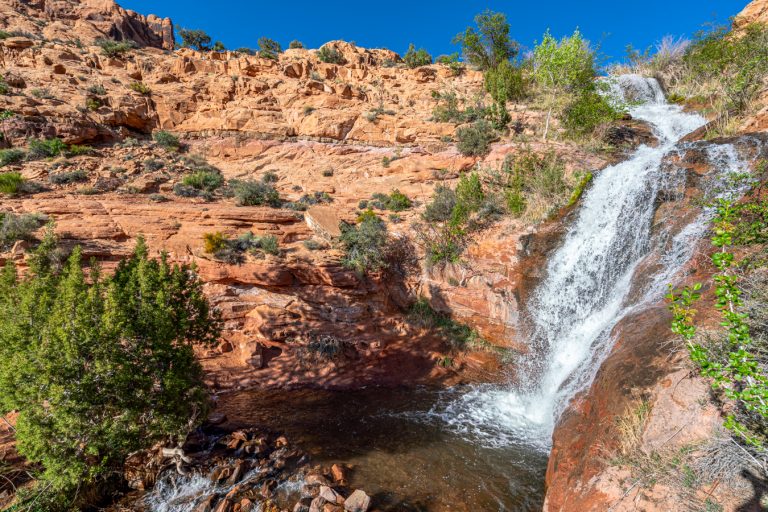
320,128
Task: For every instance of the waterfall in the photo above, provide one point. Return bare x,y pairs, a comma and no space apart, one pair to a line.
587,282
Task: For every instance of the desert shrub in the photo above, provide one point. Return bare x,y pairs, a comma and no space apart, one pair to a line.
319,349
735,66
505,83
314,245
11,156
141,88
474,140
153,164
65,178
396,201
416,58
270,177
214,242
204,180
195,38
114,49
97,90
330,55
4,87
92,103
42,93
218,46
100,405
14,228
447,109
452,61
589,110
489,44
469,192
365,244
46,148
269,48
246,51
564,67
295,44
460,336
327,173
166,139
78,150
255,193
158,198
532,183
182,190
442,204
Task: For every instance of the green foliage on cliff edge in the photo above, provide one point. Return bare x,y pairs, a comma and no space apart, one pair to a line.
735,360
96,366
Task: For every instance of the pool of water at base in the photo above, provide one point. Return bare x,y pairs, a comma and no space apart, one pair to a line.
403,447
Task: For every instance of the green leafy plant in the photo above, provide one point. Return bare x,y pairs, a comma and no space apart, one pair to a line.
195,38
204,180
65,178
365,244
330,55
396,201
475,140
416,58
14,228
115,49
505,83
269,48
295,44
11,156
99,367
487,45
255,193
734,371
166,140
141,88
45,148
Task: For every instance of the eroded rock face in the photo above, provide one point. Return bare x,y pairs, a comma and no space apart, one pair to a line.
755,12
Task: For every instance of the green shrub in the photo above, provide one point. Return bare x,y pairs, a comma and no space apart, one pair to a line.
589,110
396,201
330,55
474,140
4,87
459,335
42,94
14,228
295,45
469,192
11,156
166,139
416,58
218,46
46,148
255,193
92,104
78,150
489,44
204,180
365,244
183,190
246,51
100,405
65,178
533,183
269,48
442,204
153,164
114,49
213,242
141,88
452,61
196,39
506,83
97,90
158,198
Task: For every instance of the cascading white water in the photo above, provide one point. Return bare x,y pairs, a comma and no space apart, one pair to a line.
585,291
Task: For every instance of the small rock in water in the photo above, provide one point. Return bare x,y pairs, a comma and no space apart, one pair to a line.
339,473
315,479
330,495
358,501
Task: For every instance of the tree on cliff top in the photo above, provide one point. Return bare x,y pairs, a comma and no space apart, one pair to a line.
489,44
196,39
99,366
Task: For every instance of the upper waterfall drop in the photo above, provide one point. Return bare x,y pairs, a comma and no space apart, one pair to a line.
585,290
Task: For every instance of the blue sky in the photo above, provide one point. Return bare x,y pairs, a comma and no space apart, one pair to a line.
393,24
